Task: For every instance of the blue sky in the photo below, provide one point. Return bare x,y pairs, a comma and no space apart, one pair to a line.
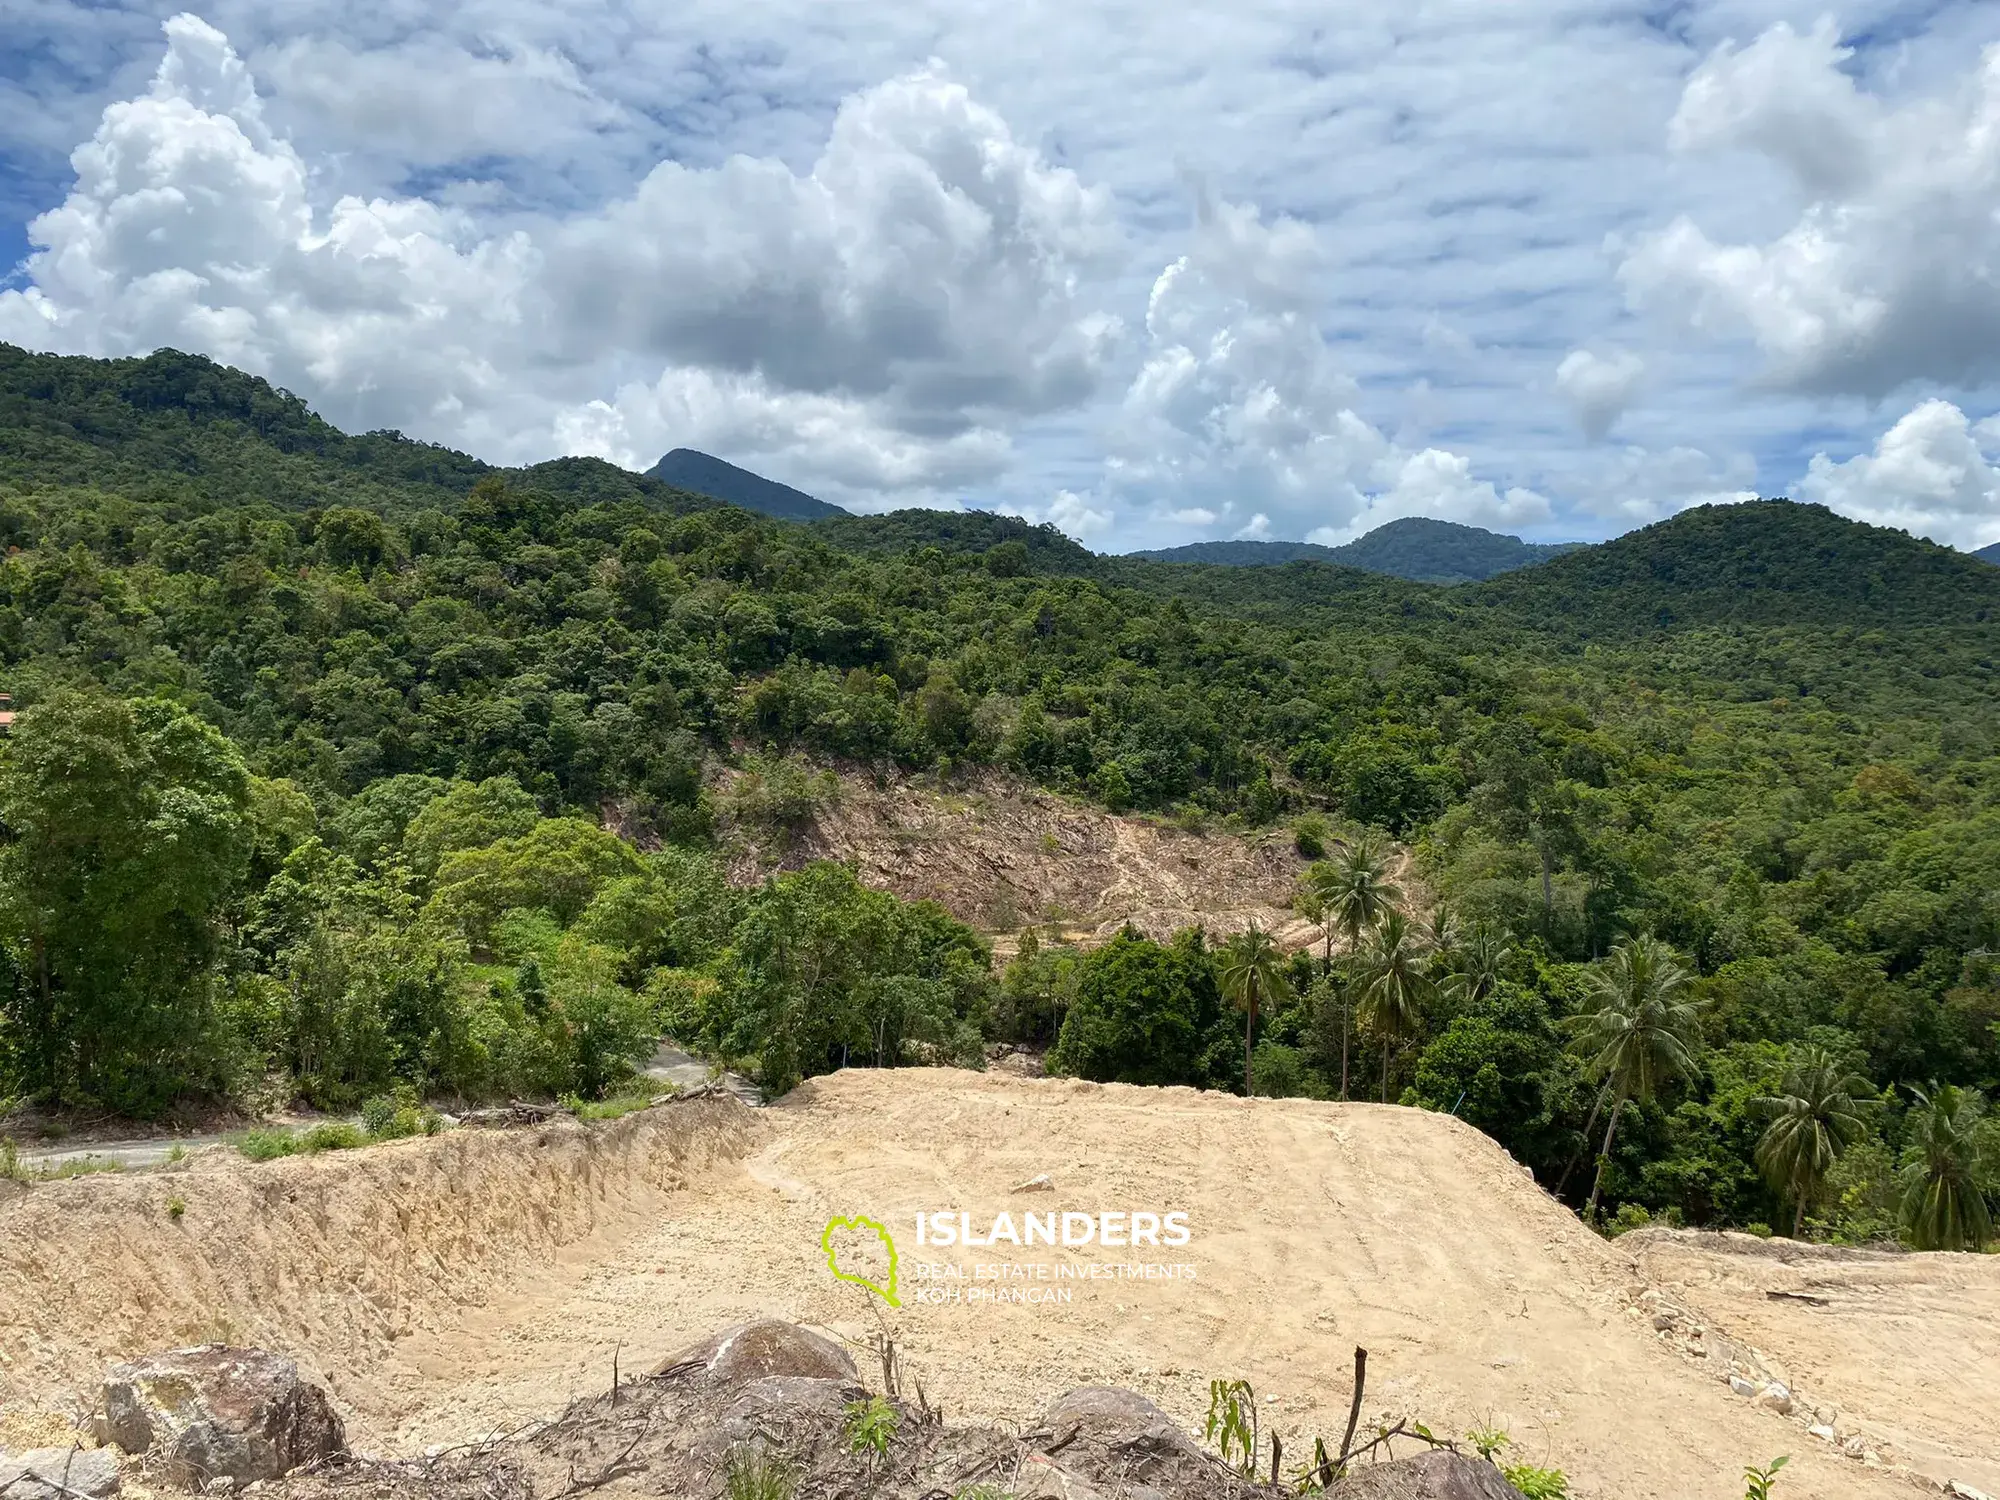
1154,274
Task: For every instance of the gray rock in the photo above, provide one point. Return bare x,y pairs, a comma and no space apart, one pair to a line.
59,1474
1104,1439
217,1412
1429,1476
759,1350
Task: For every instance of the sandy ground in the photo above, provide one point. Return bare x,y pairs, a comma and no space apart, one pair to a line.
447,1289
1907,1347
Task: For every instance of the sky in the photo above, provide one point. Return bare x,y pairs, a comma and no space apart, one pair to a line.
1154,274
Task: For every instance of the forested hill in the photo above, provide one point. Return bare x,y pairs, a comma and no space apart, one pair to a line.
322,741
1768,562
704,474
179,427
1989,554
1414,547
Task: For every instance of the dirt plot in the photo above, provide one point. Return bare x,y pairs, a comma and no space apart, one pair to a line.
999,854
1907,1347
452,1287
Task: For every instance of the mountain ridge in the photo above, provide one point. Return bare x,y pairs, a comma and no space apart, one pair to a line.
1418,548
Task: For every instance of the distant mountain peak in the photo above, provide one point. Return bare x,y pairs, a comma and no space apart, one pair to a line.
705,474
1414,547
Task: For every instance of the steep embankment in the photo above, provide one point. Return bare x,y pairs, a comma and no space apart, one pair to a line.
452,1287
1001,854
337,1258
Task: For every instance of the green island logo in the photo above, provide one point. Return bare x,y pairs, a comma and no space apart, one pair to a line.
885,1289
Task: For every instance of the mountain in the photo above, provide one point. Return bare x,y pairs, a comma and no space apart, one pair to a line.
686,469
181,428
1424,550
1989,554
1768,562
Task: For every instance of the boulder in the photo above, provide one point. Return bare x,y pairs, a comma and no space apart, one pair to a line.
215,1411
760,1350
1436,1475
59,1474
1104,1439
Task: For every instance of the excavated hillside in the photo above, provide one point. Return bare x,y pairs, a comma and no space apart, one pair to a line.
1001,854
451,1287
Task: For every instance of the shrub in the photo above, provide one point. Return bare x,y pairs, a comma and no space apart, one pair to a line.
757,1475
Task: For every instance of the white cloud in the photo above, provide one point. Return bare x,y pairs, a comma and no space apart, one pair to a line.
894,310
1256,529
1931,473
1599,386
1886,276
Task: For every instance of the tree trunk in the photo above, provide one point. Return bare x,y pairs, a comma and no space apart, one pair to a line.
1343,1041
1385,1070
1604,1158
1249,1027
1596,1108
1799,1219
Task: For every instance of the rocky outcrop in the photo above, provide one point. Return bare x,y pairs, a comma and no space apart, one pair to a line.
217,1412
1429,1476
1105,1441
59,1474
759,1350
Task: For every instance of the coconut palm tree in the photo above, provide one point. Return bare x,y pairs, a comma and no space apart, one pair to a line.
1822,1110
1393,982
1943,1207
1354,891
1476,965
1250,968
1637,1031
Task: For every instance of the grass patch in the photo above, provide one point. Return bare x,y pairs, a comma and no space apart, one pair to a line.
269,1145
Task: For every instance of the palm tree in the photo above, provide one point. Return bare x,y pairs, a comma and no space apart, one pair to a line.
1636,1031
1393,984
1354,891
1477,965
1820,1113
1943,1208
1250,967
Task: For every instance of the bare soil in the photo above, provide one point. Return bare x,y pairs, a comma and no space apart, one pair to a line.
452,1287
1001,854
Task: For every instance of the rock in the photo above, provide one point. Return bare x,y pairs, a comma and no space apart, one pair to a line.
1040,1183
1104,1439
1963,1491
1777,1397
215,1412
1854,1447
776,1403
1821,1431
1741,1386
761,1349
53,1473
1436,1475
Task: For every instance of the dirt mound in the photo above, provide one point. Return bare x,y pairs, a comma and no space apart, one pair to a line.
1001,854
451,1288
336,1259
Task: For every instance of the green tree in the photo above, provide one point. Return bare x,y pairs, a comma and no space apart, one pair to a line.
1476,966
1944,1203
1250,968
1637,1031
129,831
1390,974
1353,891
1139,1013
1816,1117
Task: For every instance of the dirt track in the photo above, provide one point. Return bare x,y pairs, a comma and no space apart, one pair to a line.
451,1287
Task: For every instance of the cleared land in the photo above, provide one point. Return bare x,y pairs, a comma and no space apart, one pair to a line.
450,1287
